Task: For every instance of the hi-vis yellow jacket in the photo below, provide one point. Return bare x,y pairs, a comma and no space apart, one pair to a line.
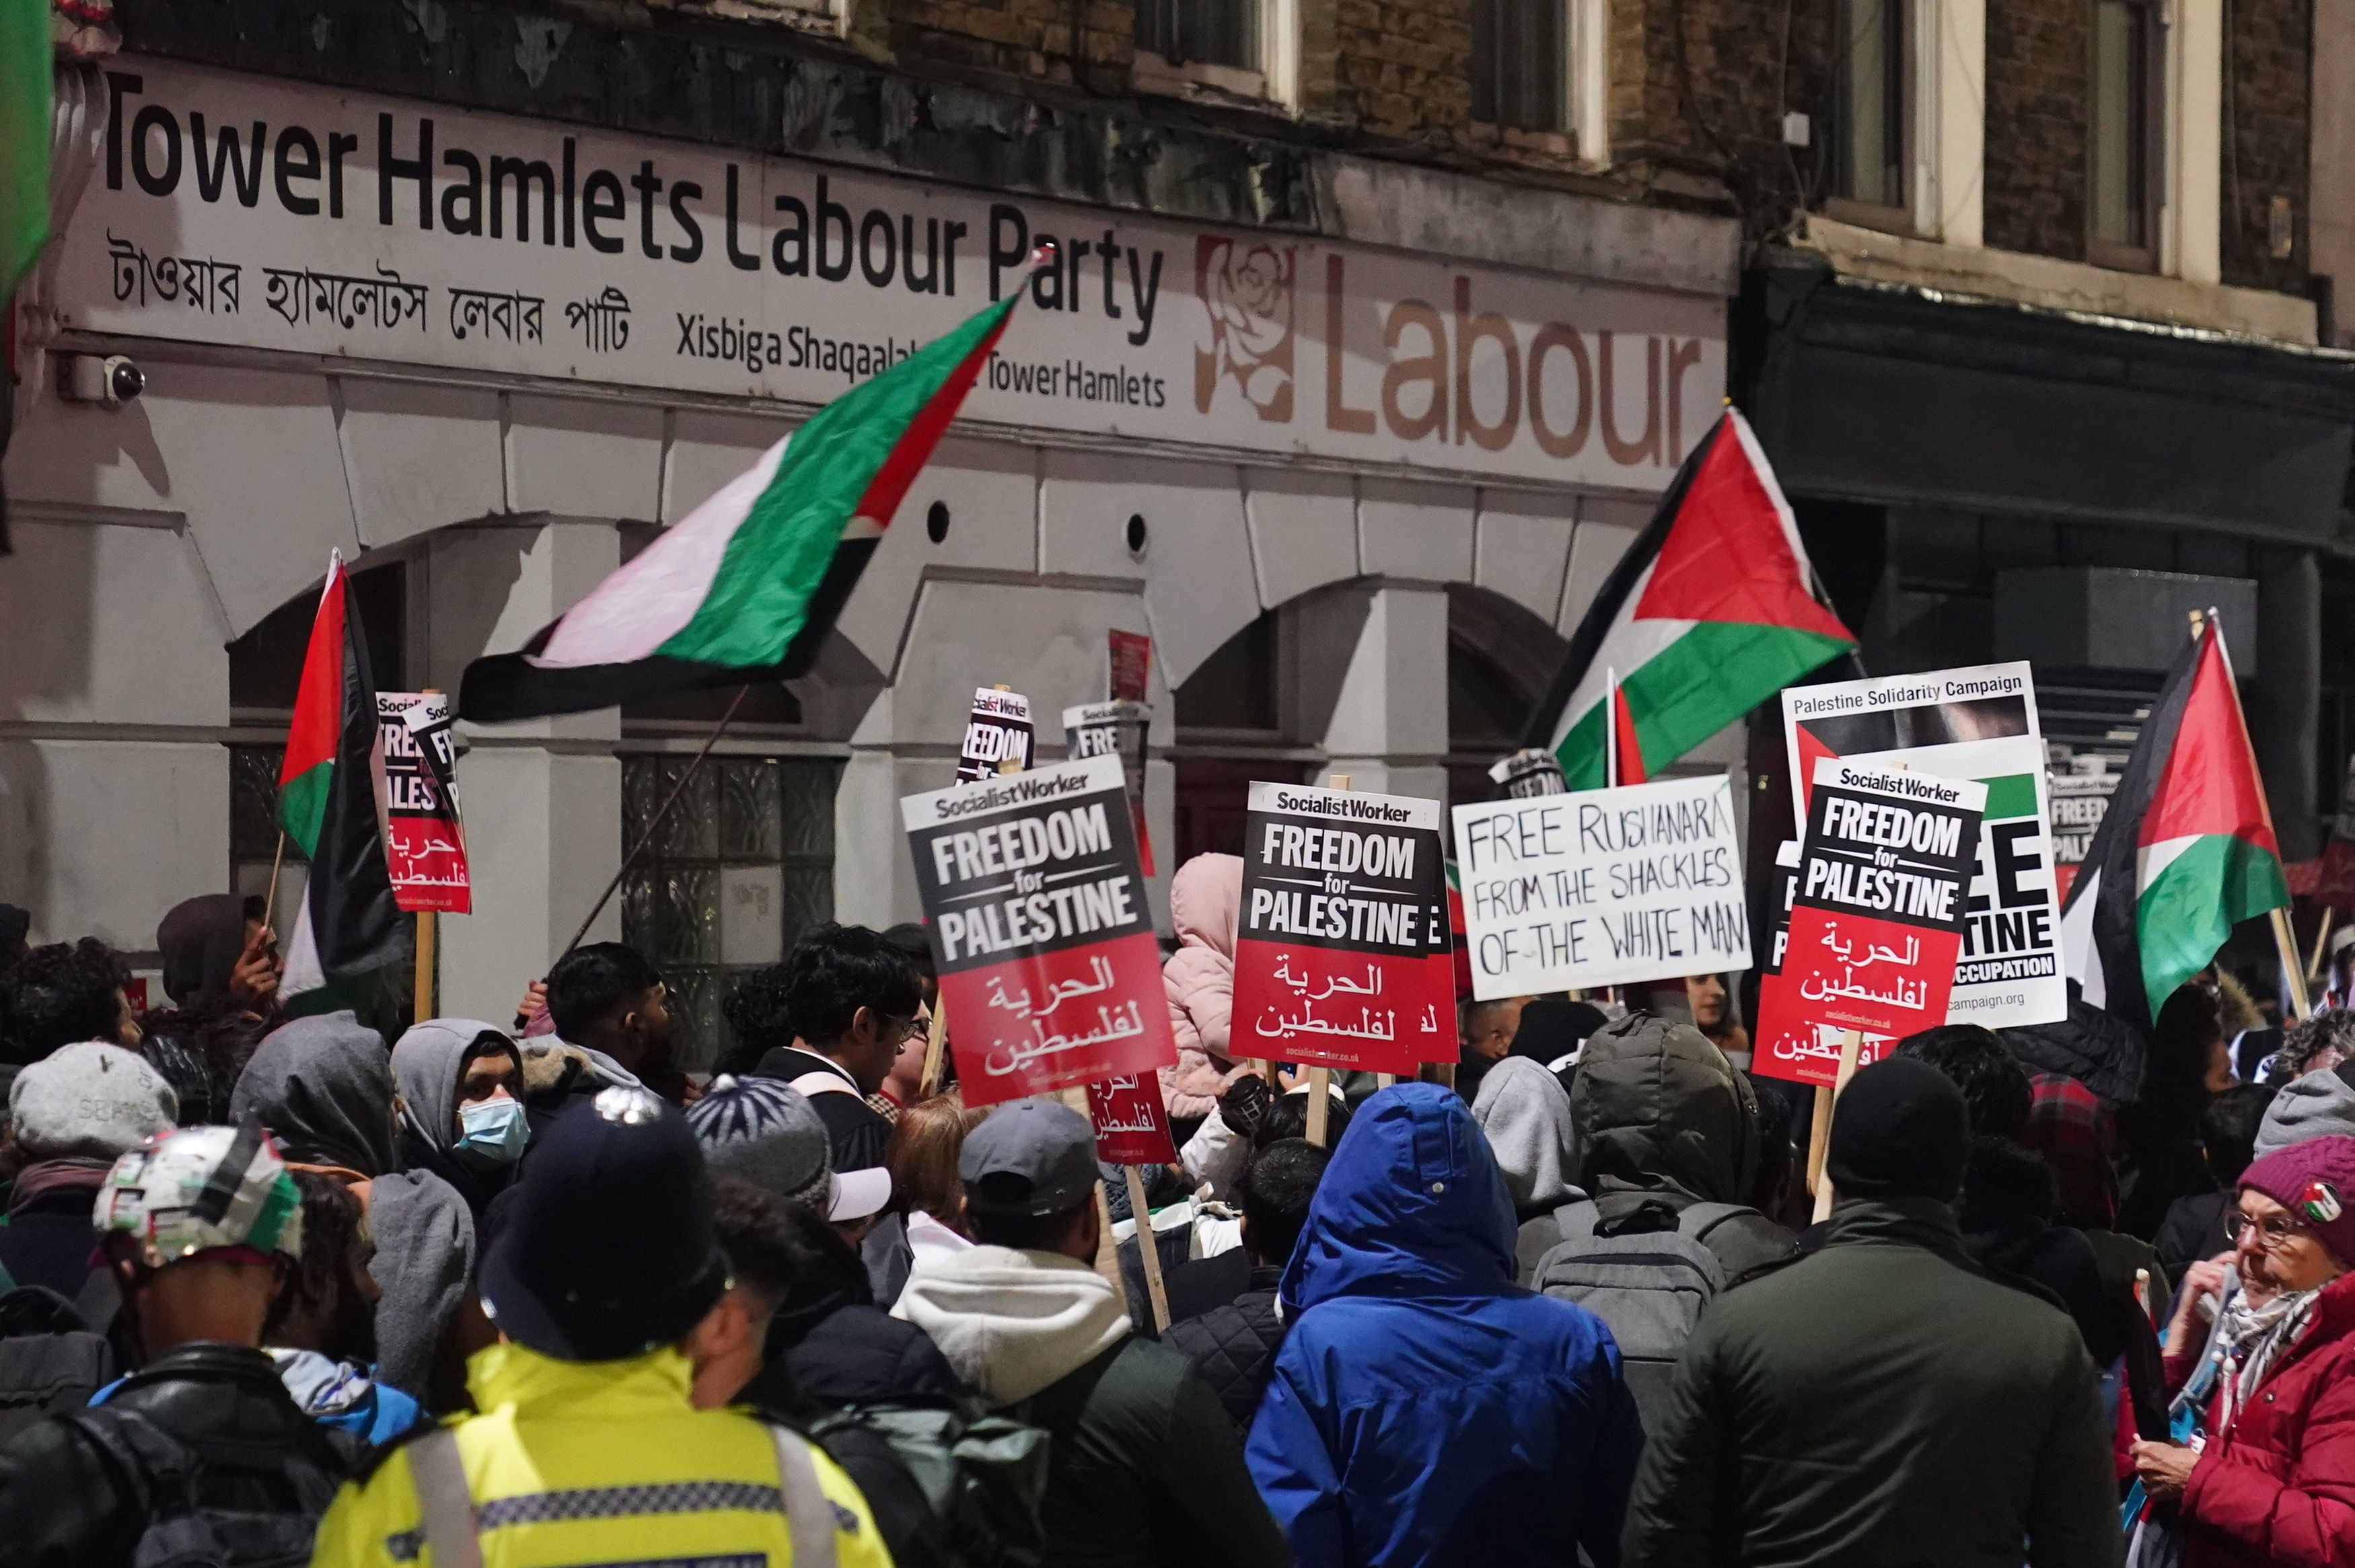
597,1463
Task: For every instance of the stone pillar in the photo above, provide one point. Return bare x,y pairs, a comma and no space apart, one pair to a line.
543,797
1368,674
2283,699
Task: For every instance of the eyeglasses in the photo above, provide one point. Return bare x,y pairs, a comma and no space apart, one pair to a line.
2273,1233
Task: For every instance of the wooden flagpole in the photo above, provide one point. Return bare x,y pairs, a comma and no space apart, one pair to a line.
1148,1247
2285,938
277,861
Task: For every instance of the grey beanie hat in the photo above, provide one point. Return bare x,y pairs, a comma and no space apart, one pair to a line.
2316,1105
92,1099
766,1132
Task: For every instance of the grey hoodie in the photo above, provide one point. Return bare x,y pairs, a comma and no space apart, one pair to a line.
1522,1108
1012,1323
2310,1107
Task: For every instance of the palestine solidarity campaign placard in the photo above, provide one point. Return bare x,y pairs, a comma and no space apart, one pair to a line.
1041,929
1342,959
1884,883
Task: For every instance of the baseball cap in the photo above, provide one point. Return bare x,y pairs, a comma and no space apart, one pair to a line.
1031,1158
201,1190
767,1132
855,1194
607,1251
91,1099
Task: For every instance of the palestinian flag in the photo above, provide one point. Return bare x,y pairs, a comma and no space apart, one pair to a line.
25,54
745,587
327,804
1708,614
2186,852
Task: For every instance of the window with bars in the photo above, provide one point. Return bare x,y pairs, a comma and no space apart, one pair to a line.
1521,64
742,866
1208,32
1869,103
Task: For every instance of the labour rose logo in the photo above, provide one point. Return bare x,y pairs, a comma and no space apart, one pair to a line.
1246,294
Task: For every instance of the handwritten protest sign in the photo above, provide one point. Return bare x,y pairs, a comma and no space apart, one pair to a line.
996,737
1977,722
1877,923
1131,1128
1040,928
425,844
1342,959
1116,729
1601,888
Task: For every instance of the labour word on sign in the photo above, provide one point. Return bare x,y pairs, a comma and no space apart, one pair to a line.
424,848
1342,958
1601,888
1040,928
1884,888
996,737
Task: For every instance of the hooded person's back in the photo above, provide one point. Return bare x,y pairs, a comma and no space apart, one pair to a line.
1525,1115
1205,899
1662,1117
1425,1409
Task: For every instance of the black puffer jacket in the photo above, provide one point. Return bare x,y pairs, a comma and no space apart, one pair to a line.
1233,1347
64,1505
840,1348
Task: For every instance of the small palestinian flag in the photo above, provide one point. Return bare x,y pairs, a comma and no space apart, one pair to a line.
2186,852
327,804
746,586
1707,615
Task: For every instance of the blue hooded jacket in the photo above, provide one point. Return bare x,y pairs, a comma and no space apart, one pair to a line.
1425,1410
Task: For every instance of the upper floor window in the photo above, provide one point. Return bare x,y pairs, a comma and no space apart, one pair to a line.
1521,64
1869,97
1205,32
2124,100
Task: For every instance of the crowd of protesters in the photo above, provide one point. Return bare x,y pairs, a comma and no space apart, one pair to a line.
278,1290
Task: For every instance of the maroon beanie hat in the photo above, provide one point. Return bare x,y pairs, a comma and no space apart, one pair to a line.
2314,1181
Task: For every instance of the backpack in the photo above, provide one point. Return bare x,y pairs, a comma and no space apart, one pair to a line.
1648,1276
54,1354
985,1475
178,1490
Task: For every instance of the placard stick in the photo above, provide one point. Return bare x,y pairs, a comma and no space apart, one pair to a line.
1148,1247
1384,1080
2286,943
1819,1132
425,986
1851,1046
1320,1079
277,861
2321,940
1107,1250
936,1050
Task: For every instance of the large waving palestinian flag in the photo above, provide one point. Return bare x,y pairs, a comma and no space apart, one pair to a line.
327,804
1708,614
746,586
2186,852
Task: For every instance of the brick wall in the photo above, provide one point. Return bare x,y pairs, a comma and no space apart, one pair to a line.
2036,171
2267,103
1032,39
1401,68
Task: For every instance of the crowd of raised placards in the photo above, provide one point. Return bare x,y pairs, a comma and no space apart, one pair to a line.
532,1295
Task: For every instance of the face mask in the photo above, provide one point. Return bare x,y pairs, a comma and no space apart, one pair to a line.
495,1131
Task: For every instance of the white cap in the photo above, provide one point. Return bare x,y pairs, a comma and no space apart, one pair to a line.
855,1194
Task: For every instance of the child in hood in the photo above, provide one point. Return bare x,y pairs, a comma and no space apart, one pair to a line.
1205,900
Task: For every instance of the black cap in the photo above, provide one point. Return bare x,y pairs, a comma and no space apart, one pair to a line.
1899,1130
605,1249
1031,1158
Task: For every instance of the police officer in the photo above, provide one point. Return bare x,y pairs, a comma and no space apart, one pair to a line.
587,1449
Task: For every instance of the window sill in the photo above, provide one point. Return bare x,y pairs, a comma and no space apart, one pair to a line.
1544,149
1894,220
1201,82
2055,284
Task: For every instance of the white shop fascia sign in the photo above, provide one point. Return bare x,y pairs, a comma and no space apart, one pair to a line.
234,209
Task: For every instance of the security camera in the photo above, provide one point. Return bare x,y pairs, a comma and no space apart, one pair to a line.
109,380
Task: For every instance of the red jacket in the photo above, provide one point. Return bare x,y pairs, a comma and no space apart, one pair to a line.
2279,1487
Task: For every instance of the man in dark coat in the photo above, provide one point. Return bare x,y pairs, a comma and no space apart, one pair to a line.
1881,1401
857,1002
1234,1346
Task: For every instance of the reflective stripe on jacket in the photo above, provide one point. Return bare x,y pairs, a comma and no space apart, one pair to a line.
597,1462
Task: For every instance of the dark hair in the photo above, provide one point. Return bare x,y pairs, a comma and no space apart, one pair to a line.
2004,1180
754,1232
756,1011
2174,1078
1276,1188
834,970
1287,1116
1778,1117
61,994
917,943
330,1235
2332,1028
1994,1083
590,984
2228,1130
826,1271
1027,1233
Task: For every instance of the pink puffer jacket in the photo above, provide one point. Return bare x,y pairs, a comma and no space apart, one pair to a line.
1205,900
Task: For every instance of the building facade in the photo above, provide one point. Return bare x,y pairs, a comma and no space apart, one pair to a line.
1376,328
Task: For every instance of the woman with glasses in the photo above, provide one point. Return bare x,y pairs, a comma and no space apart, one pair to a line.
2262,1349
